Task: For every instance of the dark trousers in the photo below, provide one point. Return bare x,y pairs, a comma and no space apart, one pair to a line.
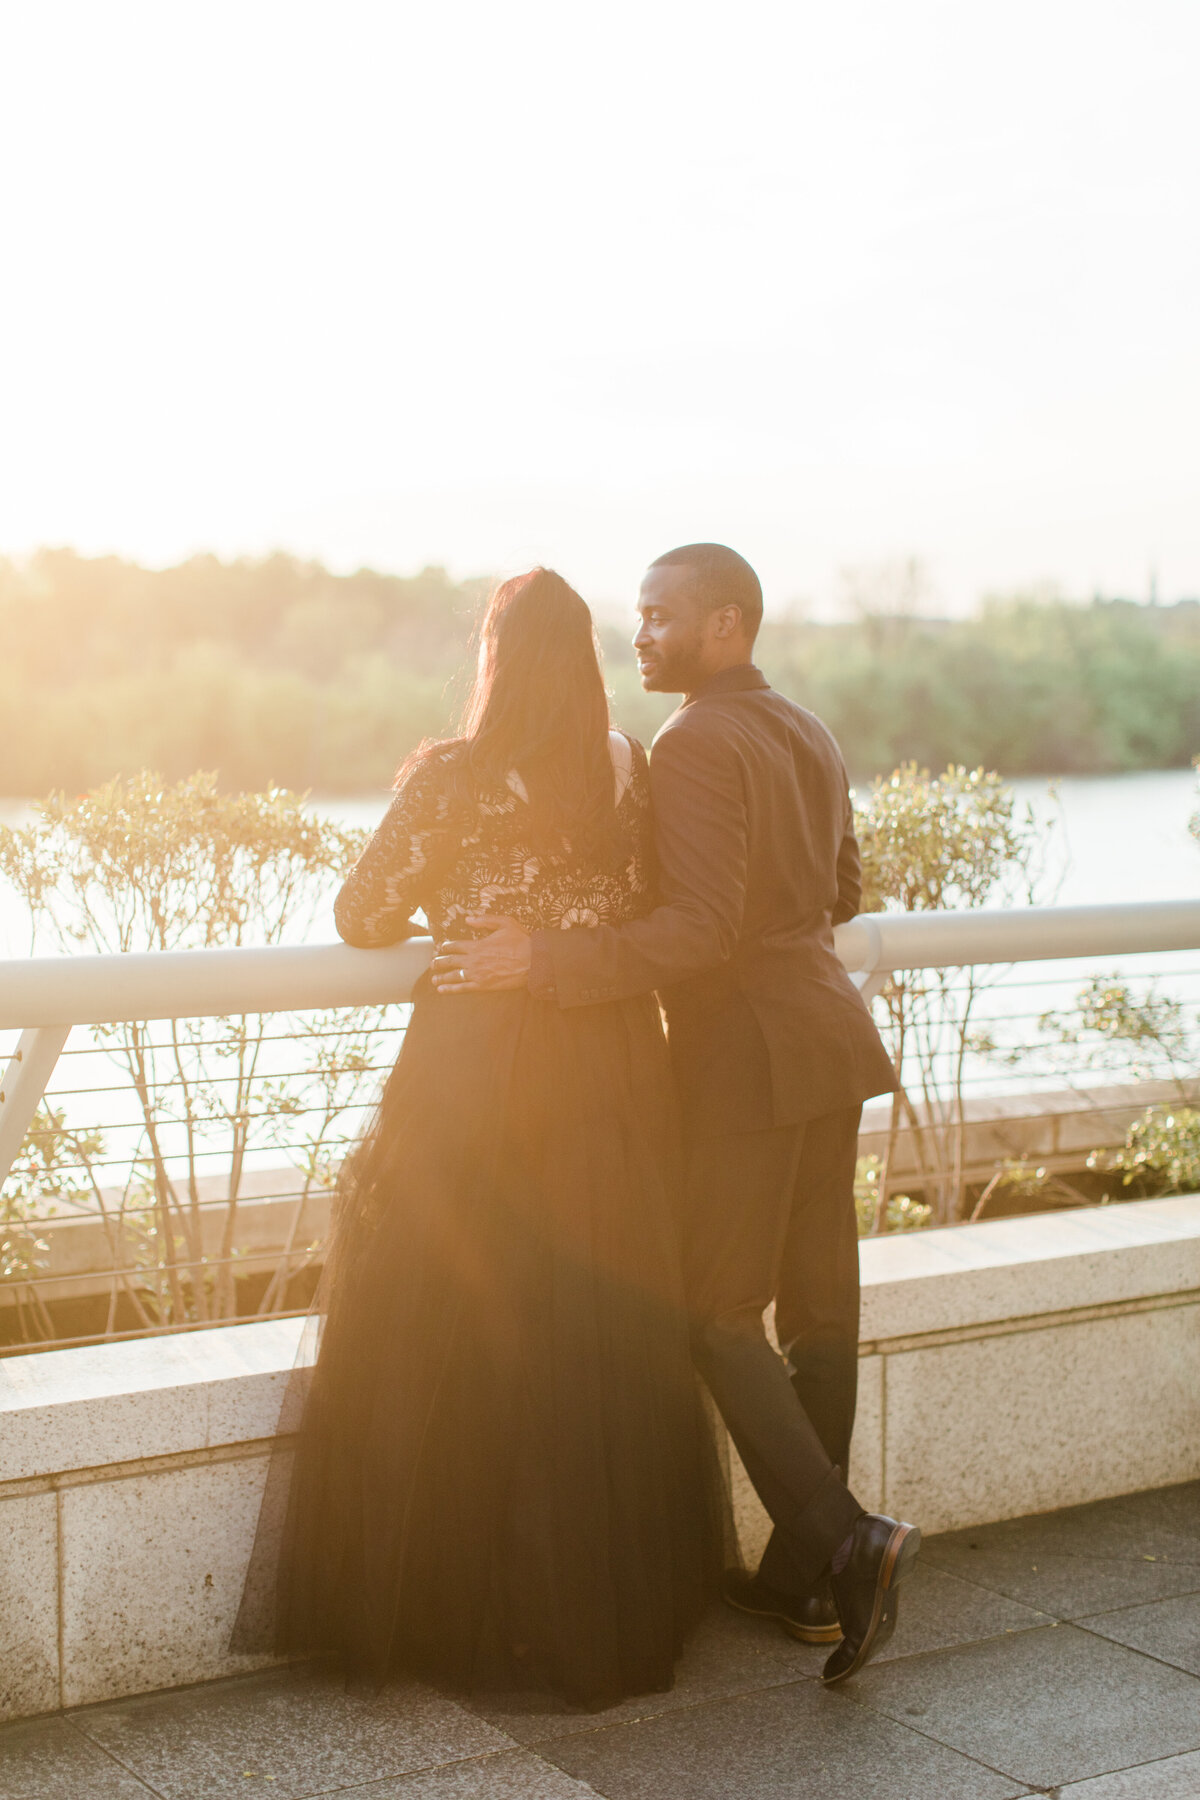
770,1217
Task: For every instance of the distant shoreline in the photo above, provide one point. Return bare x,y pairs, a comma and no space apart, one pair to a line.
280,672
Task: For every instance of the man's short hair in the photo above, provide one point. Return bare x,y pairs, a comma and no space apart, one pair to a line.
719,577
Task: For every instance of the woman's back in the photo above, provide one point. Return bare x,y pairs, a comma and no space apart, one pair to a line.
454,846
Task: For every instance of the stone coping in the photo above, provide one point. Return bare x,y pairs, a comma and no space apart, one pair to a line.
916,1283
122,1402
145,1397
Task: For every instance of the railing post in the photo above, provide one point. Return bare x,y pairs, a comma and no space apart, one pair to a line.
870,982
867,977
24,1083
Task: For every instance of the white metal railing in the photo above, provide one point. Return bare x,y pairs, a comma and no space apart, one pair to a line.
43,997
874,944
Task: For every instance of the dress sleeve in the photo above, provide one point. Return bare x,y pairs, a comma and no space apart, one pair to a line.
393,875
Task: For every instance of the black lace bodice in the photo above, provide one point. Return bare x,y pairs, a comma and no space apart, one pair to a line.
450,858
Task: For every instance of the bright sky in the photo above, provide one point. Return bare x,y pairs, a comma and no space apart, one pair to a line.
483,283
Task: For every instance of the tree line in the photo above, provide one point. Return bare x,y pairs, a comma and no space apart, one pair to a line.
278,671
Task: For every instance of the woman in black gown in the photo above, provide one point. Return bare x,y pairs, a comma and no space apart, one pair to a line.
505,1477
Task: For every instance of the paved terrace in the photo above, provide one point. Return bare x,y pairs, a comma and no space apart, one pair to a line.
1058,1654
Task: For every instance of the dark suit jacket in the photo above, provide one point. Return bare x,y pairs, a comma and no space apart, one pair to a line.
757,862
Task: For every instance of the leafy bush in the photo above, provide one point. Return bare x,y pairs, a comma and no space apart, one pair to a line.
1161,1153
900,1213
47,1169
930,842
1034,1188
1148,1037
950,840
141,864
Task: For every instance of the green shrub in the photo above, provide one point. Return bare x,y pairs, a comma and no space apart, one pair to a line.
901,1213
142,864
929,842
1161,1153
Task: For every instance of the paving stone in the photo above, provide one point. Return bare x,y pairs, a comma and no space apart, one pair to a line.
289,1734
730,1653
47,1759
793,1743
1178,1778
938,1610
1084,1560
1167,1629
1048,1706
1164,1523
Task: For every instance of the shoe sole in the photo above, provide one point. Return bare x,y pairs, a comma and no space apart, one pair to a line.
812,1634
807,1634
898,1559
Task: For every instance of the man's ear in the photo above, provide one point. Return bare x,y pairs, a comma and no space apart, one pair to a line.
727,620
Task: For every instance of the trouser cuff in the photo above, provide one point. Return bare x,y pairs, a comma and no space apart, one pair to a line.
796,1560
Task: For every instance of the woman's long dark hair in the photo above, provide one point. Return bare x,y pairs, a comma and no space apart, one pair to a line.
538,706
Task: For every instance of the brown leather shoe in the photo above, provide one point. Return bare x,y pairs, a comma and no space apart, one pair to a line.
882,1556
810,1617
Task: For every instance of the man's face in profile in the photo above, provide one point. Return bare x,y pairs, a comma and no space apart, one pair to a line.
670,641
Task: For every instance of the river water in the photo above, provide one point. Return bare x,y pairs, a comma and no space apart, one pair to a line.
1119,837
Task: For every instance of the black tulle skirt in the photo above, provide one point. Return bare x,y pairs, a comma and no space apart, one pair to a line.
505,1475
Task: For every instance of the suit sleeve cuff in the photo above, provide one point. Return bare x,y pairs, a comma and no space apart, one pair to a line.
542,978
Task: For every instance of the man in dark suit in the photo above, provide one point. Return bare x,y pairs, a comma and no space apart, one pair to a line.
775,1052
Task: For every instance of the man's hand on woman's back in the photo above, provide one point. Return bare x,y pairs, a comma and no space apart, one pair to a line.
486,964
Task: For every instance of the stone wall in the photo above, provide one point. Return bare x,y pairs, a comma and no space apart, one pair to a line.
1007,1367
130,1479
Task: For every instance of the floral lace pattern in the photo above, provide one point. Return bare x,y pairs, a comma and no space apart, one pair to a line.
451,858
